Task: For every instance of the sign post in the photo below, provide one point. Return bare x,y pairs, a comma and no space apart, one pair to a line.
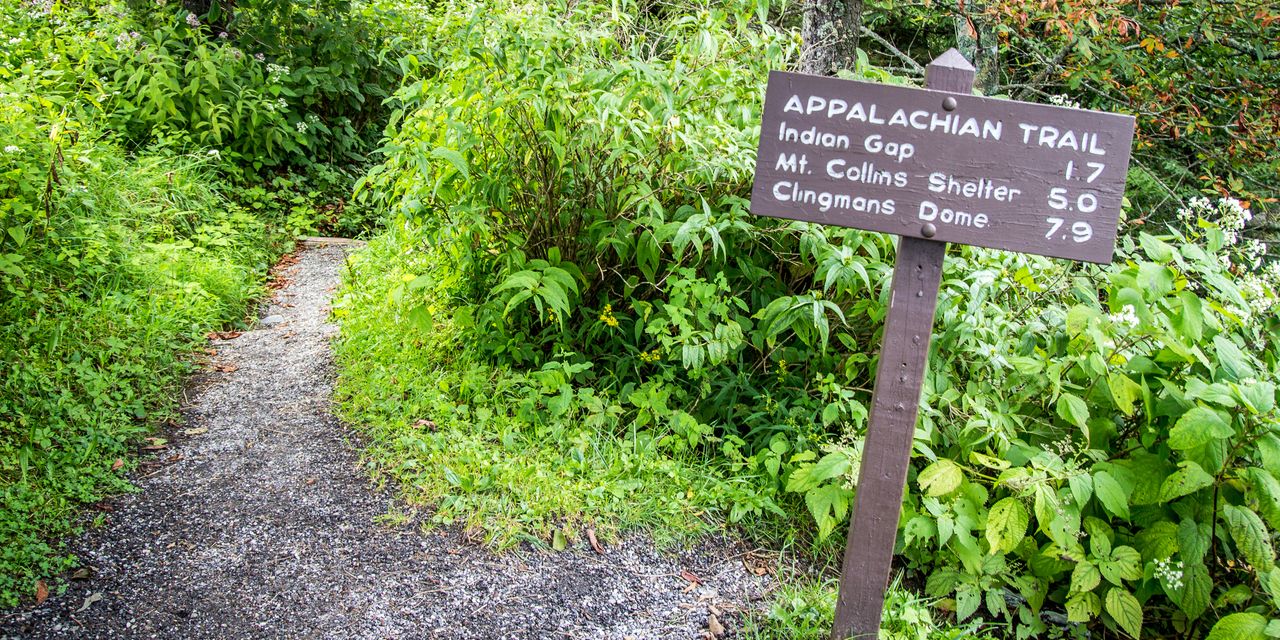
933,165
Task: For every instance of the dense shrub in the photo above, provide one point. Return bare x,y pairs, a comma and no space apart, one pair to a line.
572,180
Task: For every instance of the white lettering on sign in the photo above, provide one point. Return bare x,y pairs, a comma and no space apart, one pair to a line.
982,188
918,119
812,136
787,191
930,212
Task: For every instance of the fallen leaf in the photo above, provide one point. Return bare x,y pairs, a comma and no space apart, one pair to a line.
714,626
226,368
93,597
196,432
117,464
595,544
223,335
83,573
42,591
690,576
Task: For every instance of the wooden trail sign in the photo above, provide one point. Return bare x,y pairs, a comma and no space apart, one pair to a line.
930,164
934,166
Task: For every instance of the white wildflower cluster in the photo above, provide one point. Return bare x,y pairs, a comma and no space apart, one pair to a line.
12,149
1229,214
128,41
1170,572
276,73
13,41
273,106
1063,100
192,20
260,57
302,127
1257,293
313,118
38,8
214,153
1253,251
1065,448
1127,316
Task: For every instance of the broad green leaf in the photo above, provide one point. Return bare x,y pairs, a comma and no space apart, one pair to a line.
1193,540
1234,363
940,478
829,505
1264,490
1085,577
1083,607
1081,485
1124,391
1197,588
967,600
1006,525
1111,494
1126,611
1155,248
1198,426
1239,626
1189,478
1124,563
1156,280
1073,409
1250,536
1191,319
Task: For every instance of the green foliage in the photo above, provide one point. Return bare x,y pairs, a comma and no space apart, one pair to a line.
270,83
135,262
113,264
533,456
1098,443
804,610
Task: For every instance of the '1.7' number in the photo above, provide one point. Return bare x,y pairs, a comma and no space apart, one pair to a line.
1080,231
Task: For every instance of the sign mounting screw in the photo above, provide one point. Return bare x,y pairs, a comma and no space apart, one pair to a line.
949,103
928,230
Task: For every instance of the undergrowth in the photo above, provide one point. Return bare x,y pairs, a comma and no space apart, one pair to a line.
577,321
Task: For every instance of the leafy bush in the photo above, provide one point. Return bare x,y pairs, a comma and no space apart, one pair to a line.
1099,441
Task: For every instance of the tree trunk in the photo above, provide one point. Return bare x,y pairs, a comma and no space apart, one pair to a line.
830,34
977,41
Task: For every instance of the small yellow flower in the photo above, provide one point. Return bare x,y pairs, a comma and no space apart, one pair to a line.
606,316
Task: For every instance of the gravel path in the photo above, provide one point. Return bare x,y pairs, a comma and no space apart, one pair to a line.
258,522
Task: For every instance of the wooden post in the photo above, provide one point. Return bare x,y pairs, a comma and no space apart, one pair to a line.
904,354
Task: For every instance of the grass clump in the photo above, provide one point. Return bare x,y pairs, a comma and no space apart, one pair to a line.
533,455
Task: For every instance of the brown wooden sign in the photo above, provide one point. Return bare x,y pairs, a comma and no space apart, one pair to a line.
994,173
934,166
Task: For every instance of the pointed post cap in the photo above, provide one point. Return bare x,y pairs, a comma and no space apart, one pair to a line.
950,72
952,59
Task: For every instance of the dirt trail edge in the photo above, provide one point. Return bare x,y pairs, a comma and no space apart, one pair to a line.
263,526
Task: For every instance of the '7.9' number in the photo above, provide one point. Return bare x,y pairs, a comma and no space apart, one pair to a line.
1080,231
